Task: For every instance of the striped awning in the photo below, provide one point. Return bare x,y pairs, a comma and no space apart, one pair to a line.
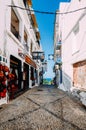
30,61
29,2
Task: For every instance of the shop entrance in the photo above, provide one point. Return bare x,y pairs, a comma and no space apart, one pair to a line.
15,68
32,76
26,76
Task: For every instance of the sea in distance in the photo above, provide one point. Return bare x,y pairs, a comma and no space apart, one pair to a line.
47,81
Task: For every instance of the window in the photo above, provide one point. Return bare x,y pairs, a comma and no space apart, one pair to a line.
24,1
26,41
76,29
27,3
74,44
74,39
31,47
15,24
25,36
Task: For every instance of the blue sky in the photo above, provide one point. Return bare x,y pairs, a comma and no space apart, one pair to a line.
46,28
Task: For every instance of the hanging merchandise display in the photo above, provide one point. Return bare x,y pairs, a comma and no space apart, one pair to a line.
5,76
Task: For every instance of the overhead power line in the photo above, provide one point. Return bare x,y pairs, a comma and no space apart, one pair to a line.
45,12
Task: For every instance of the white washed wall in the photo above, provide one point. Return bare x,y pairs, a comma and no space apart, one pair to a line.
73,45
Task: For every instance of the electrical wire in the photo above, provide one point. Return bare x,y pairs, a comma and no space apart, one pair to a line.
45,12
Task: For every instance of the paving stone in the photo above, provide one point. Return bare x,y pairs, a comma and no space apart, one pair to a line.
43,108
74,113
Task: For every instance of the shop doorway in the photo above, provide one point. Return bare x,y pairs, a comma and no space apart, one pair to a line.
25,76
32,76
15,68
36,76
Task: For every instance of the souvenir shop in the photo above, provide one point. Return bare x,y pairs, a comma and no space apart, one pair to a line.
25,76
14,84
33,71
4,70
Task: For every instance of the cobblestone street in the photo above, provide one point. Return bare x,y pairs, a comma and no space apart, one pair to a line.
43,108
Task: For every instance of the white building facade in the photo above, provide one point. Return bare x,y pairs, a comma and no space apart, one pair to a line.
72,20
19,38
57,51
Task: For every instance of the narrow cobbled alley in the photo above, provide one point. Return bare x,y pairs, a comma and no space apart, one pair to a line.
43,108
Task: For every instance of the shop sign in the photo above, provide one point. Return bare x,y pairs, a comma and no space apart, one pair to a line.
29,61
